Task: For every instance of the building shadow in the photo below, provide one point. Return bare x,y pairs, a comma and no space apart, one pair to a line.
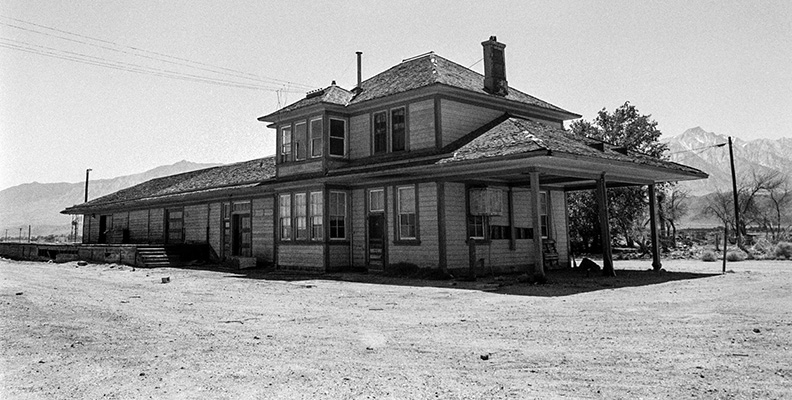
565,282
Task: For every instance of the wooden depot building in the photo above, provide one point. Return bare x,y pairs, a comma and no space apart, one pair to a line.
427,163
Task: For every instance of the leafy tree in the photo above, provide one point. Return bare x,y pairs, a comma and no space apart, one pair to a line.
627,127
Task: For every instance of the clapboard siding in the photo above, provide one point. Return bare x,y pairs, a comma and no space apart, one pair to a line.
91,224
195,223
558,220
138,226
300,167
422,124
263,241
215,228
456,226
459,119
358,231
120,220
309,257
338,256
360,136
157,225
424,255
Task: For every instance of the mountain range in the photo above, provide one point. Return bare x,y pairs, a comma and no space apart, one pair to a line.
39,204
699,149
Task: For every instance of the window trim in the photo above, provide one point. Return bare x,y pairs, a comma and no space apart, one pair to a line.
378,190
296,141
544,213
312,138
286,150
389,130
330,214
330,137
281,218
398,238
312,215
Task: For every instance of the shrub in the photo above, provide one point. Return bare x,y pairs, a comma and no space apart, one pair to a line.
735,256
709,255
783,249
763,249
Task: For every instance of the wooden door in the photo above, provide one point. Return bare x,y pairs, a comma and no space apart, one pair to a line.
241,240
376,240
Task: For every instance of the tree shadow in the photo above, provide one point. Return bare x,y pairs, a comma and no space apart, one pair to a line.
565,282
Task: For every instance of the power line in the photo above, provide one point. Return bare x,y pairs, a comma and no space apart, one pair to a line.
129,67
698,148
236,73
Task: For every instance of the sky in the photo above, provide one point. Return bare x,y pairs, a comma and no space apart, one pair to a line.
125,86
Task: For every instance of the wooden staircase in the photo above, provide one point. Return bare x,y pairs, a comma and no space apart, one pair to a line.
157,256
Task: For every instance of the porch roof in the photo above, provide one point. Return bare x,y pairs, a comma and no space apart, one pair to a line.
204,181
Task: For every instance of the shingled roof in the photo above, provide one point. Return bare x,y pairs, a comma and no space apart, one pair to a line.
521,136
414,73
231,176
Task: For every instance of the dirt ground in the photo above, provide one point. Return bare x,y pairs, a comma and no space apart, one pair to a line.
108,331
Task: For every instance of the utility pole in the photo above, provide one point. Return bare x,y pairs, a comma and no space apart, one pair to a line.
87,172
734,191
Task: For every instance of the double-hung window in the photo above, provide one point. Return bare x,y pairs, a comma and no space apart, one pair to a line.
337,137
286,144
317,216
284,212
338,212
477,227
316,137
543,215
398,129
300,144
407,219
389,131
300,219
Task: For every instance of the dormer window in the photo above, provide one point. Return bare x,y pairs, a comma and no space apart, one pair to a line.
337,137
389,130
316,137
286,144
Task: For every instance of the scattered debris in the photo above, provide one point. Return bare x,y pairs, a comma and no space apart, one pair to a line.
485,357
19,293
82,263
41,361
369,348
756,330
76,343
142,374
124,301
166,279
309,286
376,309
256,337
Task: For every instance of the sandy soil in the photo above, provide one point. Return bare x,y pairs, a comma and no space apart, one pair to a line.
107,331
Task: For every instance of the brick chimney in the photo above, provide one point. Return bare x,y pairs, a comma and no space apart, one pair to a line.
495,67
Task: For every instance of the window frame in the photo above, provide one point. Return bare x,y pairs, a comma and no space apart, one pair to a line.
298,139
169,219
312,137
330,137
316,210
387,135
285,218
300,214
332,214
400,237
286,148
372,191
544,214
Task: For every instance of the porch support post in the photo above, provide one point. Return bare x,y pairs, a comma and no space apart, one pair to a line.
602,205
656,264
536,225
